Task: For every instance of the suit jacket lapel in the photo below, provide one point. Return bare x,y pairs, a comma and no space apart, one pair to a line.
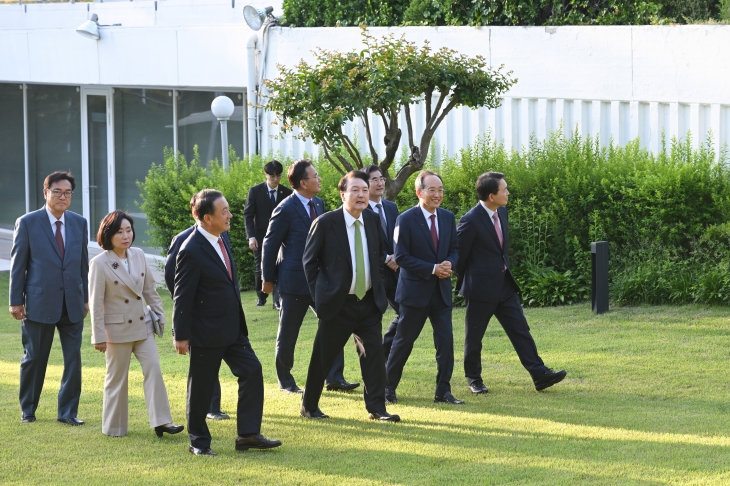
444,234
299,208
119,271
423,224
488,223
340,232
210,251
46,224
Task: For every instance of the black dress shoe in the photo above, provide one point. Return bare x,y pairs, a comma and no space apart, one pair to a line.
217,416
202,452
341,386
314,414
478,388
384,417
292,389
71,421
276,306
448,398
548,379
261,302
390,397
170,429
27,419
257,441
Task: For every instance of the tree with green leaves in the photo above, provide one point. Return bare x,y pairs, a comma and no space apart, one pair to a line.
388,76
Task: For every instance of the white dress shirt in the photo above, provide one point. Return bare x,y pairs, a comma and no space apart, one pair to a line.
268,192
428,215
350,225
53,220
213,240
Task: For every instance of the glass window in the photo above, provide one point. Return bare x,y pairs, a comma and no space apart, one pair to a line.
142,130
54,139
12,156
196,125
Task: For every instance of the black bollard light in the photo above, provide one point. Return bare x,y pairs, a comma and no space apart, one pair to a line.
599,279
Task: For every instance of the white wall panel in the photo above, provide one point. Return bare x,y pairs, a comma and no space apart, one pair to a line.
62,56
138,57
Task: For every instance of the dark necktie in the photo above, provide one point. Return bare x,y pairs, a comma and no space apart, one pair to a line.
225,257
382,219
312,212
273,199
59,239
434,233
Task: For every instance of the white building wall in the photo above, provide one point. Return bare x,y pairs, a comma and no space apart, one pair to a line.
617,83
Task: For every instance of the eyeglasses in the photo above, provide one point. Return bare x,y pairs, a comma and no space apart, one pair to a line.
59,193
316,176
431,191
377,179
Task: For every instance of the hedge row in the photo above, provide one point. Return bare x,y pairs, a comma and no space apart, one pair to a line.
665,216
330,13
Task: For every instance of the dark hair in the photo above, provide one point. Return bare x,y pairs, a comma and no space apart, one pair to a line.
422,175
353,174
372,168
274,168
297,171
488,183
59,175
204,202
109,227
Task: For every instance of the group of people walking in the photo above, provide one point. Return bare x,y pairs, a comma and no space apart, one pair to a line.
347,265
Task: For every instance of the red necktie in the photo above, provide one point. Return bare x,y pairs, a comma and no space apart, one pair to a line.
225,257
312,212
434,234
59,239
497,228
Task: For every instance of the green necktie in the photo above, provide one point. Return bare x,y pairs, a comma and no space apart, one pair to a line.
360,287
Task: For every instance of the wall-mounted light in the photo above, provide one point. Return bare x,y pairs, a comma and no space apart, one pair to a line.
90,28
255,17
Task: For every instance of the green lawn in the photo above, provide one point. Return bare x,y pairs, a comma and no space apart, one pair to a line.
646,401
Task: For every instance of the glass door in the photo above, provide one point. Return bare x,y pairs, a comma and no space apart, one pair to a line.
97,155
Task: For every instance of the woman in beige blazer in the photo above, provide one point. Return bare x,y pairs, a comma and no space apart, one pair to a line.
120,288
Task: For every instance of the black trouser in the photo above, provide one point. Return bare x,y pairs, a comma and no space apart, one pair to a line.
204,367
410,324
37,340
363,320
509,314
215,402
293,310
391,283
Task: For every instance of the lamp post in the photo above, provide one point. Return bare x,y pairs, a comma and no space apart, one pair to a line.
222,108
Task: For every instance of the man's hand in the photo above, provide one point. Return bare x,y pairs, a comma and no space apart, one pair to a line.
390,262
443,270
181,347
267,287
17,311
253,244
86,309
100,347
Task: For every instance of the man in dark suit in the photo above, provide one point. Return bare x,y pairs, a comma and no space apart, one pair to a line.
260,203
282,266
208,322
387,213
486,282
426,251
215,412
343,263
49,290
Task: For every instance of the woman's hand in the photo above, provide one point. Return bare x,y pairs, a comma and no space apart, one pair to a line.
100,347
